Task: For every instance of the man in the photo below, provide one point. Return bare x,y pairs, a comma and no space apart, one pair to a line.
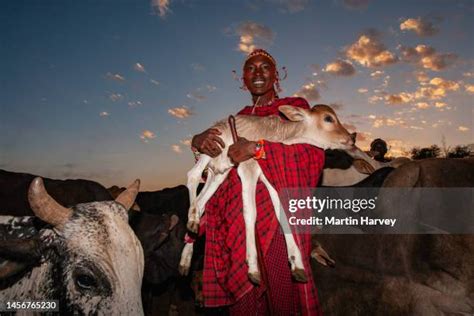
378,148
225,280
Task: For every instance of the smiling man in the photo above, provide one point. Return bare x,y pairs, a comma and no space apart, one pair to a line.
225,280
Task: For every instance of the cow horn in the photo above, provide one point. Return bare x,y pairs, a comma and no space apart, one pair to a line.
45,207
127,197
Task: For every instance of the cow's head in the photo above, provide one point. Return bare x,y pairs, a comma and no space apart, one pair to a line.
321,126
98,261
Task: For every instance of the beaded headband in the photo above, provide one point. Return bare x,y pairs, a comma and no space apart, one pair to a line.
261,52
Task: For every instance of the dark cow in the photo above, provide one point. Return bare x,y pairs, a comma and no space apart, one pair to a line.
14,201
88,257
403,274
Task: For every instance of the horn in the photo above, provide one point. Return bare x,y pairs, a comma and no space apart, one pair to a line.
127,197
45,207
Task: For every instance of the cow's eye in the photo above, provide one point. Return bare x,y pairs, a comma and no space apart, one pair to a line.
86,282
328,119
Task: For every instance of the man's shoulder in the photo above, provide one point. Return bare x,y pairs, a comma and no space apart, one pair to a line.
294,101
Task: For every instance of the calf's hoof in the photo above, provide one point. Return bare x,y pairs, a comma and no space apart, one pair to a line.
254,277
299,275
183,270
193,226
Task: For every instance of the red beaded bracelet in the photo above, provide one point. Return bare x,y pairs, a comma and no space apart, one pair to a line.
259,150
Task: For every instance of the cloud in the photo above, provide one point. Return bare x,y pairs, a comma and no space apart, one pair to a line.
370,52
403,97
444,84
420,26
340,68
155,82
377,73
196,96
469,88
463,128
380,121
114,97
422,105
146,135
468,74
186,142
421,76
134,104
253,35
309,92
180,112
211,88
440,104
139,67
104,114
160,7
362,90
426,57
356,4
115,77
197,67
176,148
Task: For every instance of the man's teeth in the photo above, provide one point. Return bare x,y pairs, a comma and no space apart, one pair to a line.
259,82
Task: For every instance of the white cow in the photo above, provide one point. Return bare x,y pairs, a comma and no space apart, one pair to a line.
89,259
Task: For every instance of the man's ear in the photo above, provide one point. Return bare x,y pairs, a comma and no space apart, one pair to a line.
293,113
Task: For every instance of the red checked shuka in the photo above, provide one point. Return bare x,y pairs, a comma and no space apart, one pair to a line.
225,279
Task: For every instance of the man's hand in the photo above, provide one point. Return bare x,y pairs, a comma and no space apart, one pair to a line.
242,150
337,159
208,142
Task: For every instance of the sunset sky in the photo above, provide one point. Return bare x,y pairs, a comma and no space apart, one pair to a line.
113,90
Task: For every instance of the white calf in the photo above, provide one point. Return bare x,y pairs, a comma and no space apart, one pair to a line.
319,127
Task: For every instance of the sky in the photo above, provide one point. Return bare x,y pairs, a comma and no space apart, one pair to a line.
113,90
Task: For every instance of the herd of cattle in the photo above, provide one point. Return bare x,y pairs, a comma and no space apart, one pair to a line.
87,246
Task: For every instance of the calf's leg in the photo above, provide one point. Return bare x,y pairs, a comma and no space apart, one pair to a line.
248,173
194,176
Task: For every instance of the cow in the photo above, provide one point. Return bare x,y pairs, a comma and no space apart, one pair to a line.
160,226
87,257
362,166
410,274
14,185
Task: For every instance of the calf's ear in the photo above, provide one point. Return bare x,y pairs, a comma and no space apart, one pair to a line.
293,113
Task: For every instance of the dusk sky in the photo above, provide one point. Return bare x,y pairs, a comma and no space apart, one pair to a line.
113,90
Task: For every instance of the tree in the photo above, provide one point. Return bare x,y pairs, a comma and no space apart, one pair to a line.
427,152
459,152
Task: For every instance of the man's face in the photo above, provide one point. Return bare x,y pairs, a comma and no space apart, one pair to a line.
259,75
380,148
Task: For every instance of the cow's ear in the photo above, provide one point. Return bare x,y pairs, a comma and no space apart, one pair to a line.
174,219
293,113
363,166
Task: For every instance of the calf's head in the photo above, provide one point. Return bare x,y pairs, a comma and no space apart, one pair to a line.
321,125
99,264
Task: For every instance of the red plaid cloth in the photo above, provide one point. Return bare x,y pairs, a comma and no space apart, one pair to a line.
225,279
